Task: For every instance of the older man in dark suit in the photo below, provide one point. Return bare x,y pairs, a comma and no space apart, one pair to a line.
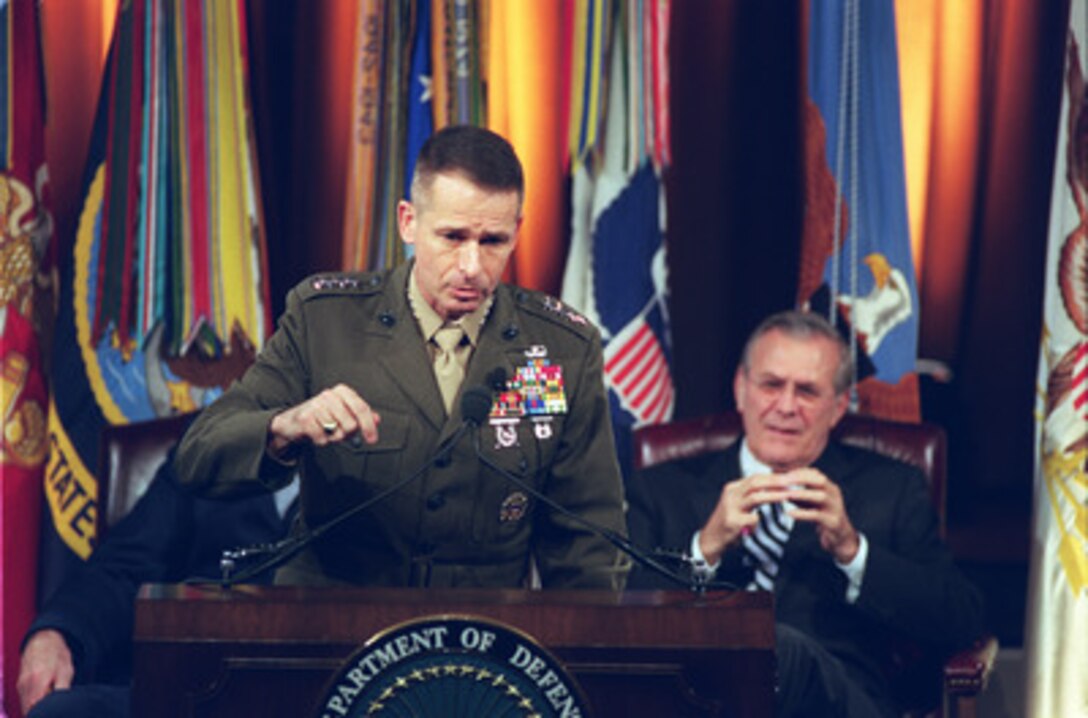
845,538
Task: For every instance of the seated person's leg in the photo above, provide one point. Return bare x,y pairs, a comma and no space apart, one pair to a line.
89,701
812,682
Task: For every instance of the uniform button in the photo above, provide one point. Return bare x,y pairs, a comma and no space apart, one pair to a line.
356,441
443,460
387,319
510,332
523,465
436,501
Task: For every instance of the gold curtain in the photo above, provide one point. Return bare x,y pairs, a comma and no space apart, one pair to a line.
967,70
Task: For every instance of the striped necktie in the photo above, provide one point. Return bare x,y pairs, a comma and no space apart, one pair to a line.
766,544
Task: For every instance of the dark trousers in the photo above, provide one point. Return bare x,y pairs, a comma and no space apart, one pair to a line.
812,683
86,701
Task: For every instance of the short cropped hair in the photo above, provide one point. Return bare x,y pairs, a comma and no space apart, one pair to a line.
481,155
802,326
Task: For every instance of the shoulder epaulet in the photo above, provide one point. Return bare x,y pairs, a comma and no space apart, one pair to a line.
339,284
554,310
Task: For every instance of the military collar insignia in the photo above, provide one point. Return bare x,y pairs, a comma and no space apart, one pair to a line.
345,282
554,305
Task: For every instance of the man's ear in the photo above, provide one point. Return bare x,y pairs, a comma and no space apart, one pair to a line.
517,232
740,386
406,221
842,402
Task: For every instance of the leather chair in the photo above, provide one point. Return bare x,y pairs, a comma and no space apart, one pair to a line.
924,445
129,457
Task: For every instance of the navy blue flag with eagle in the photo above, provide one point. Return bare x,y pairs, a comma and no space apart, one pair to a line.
856,264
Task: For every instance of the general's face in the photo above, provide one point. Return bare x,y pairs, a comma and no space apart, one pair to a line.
463,236
787,399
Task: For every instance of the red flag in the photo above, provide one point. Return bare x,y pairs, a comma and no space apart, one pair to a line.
25,231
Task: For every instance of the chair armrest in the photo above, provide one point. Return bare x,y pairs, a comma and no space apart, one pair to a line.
967,672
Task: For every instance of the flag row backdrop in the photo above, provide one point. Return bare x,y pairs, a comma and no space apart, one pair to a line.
163,291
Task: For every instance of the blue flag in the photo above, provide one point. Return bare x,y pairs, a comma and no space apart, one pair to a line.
616,268
862,255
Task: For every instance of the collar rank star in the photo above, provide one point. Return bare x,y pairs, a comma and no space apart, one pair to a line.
554,305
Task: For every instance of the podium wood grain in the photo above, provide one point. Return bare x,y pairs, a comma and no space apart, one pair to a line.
272,650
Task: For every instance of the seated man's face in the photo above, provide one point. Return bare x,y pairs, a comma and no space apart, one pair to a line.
787,399
463,236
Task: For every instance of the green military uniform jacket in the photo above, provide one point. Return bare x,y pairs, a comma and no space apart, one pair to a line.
460,523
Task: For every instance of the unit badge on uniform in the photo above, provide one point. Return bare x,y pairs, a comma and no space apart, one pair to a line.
513,507
506,433
542,427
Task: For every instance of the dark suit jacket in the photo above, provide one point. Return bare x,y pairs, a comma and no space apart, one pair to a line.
168,536
459,524
911,586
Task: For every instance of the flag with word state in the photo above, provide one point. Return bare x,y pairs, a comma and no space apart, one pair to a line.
26,250
163,296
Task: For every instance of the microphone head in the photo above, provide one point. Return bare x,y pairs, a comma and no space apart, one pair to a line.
475,404
496,378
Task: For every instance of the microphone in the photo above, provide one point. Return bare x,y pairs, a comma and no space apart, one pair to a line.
475,406
496,379
476,402
696,581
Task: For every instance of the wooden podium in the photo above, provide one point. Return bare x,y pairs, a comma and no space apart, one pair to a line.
273,650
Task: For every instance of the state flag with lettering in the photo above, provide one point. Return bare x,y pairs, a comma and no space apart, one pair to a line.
26,231
163,289
1056,678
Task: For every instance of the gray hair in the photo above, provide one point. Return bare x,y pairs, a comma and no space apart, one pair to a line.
804,326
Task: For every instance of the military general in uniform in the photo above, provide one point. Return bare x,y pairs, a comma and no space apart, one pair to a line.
358,389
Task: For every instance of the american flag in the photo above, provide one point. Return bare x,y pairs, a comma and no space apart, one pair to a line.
636,369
